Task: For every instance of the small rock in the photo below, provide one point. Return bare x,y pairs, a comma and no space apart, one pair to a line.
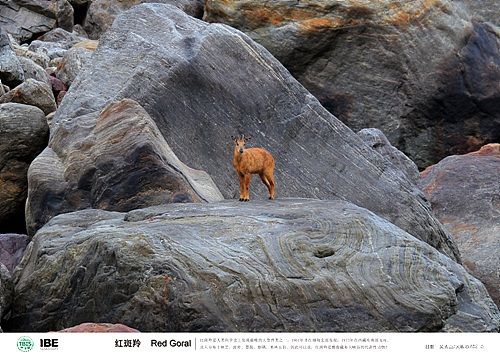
63,38
33,93
40,59
12,248
33,70
78,30
72,63
6,291
57,85
51,49
60,97
11,71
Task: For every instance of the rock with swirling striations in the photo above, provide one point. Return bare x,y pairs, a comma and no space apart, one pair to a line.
23,135
284,265
99,328
33,93
422,71
465,194
6,291
27,19
12,248
101,13
202,83
376,139
121,164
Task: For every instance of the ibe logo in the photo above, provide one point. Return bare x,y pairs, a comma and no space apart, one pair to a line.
49,343
25,344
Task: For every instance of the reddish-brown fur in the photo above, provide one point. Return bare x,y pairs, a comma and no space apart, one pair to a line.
252,161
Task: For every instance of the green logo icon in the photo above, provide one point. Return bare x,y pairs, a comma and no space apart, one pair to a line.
25,344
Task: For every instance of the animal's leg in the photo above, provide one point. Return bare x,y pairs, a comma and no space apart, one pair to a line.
248,177
242,186
270,178
266,182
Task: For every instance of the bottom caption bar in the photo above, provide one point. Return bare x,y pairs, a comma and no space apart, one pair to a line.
248,344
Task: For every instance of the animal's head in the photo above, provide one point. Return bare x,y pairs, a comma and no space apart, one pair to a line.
240,142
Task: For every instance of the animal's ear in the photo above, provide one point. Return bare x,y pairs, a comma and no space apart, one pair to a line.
233,138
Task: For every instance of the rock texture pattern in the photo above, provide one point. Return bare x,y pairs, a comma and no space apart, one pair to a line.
122,164
465,195
99,328
27,19
12,248
23,135
284,265
379,142
101,13
202,83
419,70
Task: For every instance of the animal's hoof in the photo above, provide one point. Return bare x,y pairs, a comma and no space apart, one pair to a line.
247,199
241,199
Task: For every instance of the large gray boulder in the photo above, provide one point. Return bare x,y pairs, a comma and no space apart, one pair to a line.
23,135
101,13
27,19
121,164
284,265
465,194
421,71
202,83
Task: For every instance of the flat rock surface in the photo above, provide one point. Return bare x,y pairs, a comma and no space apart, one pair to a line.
287,265
202,83
465,194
